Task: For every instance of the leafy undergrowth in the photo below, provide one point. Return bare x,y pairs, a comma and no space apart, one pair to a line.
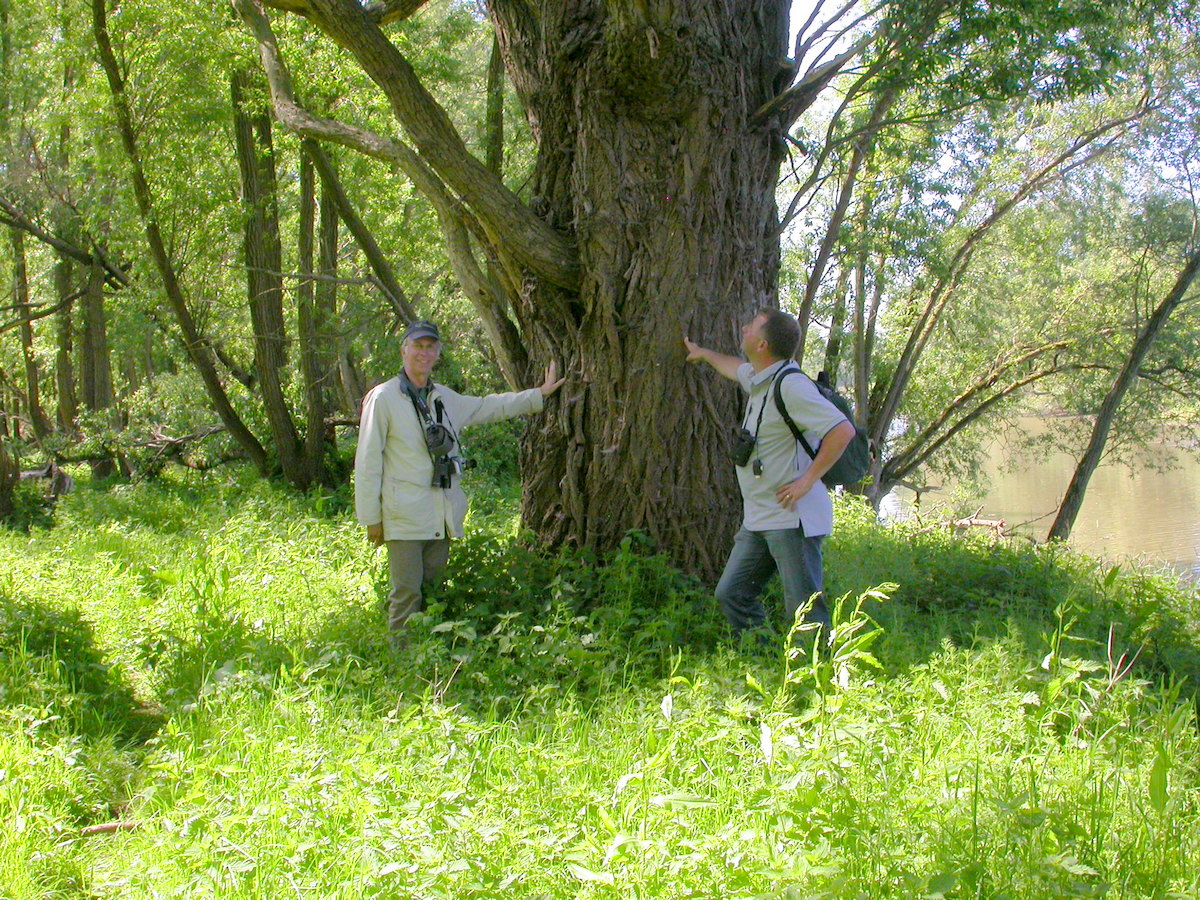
196,699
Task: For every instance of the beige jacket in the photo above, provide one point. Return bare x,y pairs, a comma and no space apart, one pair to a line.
393,473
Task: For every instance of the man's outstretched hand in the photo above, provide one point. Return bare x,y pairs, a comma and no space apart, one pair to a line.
552,382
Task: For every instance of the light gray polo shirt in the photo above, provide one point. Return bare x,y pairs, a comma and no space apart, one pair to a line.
783,459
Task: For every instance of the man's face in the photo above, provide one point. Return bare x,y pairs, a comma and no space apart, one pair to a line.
419,356
752,339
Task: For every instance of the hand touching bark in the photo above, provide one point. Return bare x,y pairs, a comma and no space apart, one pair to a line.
552,382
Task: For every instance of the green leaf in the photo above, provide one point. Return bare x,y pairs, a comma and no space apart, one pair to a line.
1158,781
940,885
588,875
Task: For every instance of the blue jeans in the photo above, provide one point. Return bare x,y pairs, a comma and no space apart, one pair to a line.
755,557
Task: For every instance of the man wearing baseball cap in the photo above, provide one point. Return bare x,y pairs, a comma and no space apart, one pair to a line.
407,467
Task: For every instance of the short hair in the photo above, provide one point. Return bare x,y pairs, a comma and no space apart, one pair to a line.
781,332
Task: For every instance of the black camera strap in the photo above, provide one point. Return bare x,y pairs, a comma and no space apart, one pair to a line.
427,418
783,370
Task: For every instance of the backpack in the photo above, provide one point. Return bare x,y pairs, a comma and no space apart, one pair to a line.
855,461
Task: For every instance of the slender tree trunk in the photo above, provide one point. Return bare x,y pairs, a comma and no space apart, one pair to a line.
314,313
645,154
10,474
64,360
324,317
264,276
837,326
65,273
350,384
197,348
305,292
1072,501
99,396
38,420
863,146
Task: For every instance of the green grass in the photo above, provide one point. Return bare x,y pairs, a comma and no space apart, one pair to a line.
203,661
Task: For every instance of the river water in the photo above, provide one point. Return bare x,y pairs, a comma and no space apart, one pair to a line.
1141,514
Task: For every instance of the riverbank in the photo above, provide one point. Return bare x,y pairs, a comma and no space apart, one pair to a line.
197,699
1148,515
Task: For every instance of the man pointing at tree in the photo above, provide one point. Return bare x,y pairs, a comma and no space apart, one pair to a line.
787,511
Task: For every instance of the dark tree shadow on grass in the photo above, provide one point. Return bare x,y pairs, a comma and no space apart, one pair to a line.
67,671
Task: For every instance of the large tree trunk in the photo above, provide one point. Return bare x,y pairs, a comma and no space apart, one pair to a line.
264,276
653,216
1072,500
646,156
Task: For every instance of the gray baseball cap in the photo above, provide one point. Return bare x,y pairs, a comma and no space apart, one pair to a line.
422,328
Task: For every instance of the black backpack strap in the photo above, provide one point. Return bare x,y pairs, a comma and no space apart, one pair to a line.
782,407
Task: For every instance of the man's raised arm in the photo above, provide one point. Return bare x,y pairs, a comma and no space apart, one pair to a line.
726,366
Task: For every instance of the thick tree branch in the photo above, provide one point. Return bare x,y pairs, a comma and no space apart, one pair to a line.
454,219
528,240
385,12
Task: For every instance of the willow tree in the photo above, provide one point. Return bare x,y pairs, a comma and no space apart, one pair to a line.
651,214
660,127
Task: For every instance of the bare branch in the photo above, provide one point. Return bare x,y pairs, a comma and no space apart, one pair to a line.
12,216
790,104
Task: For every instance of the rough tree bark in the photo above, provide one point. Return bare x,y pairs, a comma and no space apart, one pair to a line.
1072,500
647,159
